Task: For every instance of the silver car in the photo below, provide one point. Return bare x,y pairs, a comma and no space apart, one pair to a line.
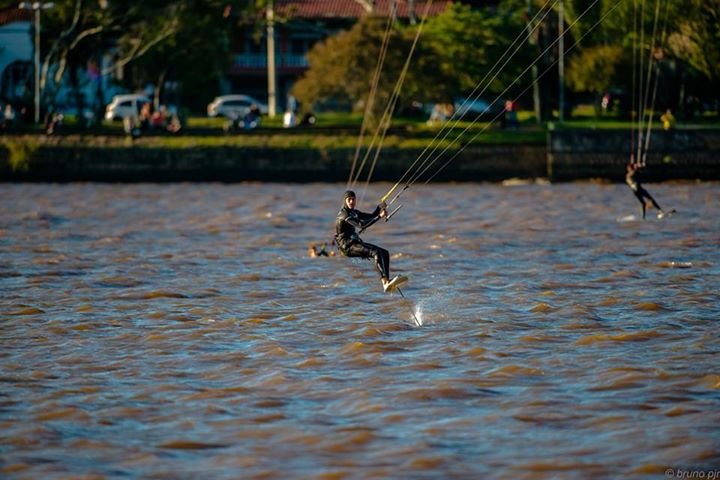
123,106
234,106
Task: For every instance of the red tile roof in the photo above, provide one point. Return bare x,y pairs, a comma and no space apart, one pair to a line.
14,14
317,9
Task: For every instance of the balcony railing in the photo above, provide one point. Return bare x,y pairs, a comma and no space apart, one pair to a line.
259,60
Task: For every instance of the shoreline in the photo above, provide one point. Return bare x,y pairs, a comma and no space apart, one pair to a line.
567,155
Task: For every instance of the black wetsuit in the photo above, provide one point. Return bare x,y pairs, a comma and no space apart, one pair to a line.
633,181
350,244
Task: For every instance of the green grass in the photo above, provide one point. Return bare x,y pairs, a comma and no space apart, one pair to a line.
416,135
205,122
332,130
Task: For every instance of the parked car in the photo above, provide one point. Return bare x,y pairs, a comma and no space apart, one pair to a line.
470,109
123,106
234,106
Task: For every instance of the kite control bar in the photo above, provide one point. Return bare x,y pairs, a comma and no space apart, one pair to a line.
378,217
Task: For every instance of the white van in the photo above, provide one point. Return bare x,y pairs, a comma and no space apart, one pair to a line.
123,106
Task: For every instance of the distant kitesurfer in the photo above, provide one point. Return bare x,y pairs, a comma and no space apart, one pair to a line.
350,244
633,181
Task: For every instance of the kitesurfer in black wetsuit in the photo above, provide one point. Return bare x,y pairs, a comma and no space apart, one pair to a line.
349,242
633,181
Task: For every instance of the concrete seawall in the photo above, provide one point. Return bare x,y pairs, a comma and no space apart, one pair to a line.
568,155
672,155
61,163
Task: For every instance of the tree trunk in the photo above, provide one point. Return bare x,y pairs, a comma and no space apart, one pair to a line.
77,94
159,89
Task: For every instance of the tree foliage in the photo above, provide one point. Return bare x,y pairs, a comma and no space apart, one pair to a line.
184,41
187,42
697,38
677,42
469,45
593,69
342,67
192,49
456,51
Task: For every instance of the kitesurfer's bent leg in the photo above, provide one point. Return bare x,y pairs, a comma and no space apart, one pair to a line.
652,200
642,194
379,254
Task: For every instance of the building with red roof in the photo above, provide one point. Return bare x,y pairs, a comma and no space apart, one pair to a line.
354,9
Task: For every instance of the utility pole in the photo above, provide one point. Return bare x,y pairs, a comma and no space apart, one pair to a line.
532,40
411,12
561,62
37,6
272,80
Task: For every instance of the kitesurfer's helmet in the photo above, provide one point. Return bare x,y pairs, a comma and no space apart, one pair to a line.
348,194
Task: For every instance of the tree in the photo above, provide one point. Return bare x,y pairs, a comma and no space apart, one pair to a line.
593,70
69,32
342,66
153,41
77,34
697,39
194,51
455,52
677,42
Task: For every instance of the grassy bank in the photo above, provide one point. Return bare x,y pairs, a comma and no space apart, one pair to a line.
331,131
326,134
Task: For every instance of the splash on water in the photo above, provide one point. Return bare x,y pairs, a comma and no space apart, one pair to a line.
417,316
430,309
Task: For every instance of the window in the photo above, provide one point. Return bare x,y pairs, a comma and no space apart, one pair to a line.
17,79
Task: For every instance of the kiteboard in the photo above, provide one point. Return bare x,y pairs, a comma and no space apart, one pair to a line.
662,214
395,283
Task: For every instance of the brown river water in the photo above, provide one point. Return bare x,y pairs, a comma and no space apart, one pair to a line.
181,331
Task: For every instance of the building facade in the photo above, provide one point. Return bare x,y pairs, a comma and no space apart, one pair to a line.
16,53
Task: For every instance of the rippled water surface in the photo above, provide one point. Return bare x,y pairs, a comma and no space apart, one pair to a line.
182,331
